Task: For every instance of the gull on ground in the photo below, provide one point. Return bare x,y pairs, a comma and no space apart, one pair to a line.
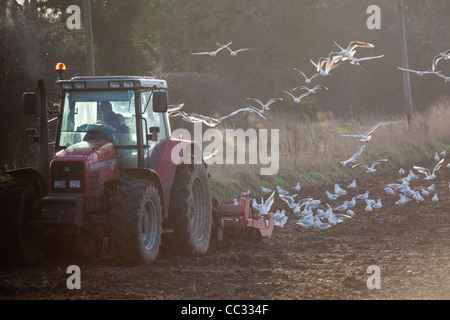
430,175
297,187
425,192
443,55
265,190
389,191
417,196
306,221
338,190
363,196
352,159
435,198
372,167
401,171
280,218
281,191
420,73
350,212
332,218
233,53
352,185
431,188
296,99
342,207
321,225
377,205
351,203
307,80
366,136
211,53
331,196
403,199
436,157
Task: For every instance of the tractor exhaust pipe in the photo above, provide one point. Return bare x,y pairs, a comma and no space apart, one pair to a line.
43,131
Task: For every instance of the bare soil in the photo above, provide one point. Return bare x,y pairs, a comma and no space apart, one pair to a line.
410,244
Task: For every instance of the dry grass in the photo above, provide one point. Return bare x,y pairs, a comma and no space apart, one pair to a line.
310,152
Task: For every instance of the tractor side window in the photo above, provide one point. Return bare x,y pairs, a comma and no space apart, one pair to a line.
152,119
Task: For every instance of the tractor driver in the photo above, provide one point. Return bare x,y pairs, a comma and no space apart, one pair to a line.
111,118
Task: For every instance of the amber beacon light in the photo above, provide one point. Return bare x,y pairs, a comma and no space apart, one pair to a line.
60,68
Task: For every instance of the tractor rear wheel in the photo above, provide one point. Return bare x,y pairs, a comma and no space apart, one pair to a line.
136,222
190,212
20,236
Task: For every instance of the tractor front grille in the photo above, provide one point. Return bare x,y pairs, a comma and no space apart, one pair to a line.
68,177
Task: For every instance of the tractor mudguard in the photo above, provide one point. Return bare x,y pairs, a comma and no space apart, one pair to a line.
32,175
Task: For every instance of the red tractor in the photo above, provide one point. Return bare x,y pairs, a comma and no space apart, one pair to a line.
113,172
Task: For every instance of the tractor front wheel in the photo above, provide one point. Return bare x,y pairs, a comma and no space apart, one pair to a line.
136,222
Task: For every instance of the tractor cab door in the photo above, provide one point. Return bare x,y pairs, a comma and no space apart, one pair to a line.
154,131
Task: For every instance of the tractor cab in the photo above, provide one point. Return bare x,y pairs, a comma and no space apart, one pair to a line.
130,111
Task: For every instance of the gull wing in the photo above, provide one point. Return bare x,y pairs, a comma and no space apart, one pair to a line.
438,165
422,170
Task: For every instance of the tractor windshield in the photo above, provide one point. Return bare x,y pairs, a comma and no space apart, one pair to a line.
98,115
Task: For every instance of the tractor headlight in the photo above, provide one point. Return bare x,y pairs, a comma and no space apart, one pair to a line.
60,184
75,184
66,86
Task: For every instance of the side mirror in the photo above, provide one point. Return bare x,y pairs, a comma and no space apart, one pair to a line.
160,101
29,102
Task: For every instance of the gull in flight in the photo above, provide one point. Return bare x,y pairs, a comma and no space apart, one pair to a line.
296,99
356,61
289,199
443,55
265,106
447,79
366,136
353,157
233,53
319,68
345,54
211,53
430,175
420,73
321,225
372,167
264,206
172,108
307,80
312,90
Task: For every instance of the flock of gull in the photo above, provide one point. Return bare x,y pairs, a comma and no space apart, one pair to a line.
322,67
312,212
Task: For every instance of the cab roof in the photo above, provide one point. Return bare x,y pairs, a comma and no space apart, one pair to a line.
110,82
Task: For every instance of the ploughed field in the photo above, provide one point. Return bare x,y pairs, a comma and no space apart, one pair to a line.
407,245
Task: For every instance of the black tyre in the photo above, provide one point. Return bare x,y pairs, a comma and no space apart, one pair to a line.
136,222
190,212
20,233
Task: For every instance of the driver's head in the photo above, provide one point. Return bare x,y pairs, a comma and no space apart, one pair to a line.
105,107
